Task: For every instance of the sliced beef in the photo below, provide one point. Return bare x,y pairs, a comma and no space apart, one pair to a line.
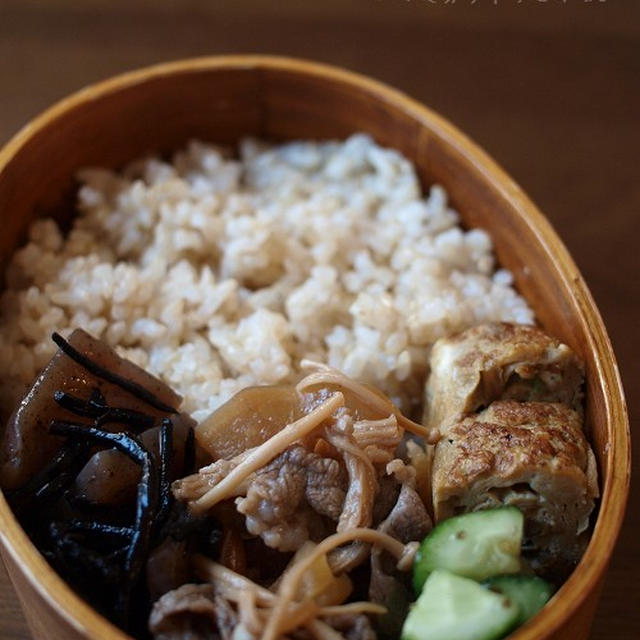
283,497
325,487
352,627
407,522
192,612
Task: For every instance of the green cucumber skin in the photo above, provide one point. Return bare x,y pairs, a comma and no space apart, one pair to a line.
530,593
455,608
489,539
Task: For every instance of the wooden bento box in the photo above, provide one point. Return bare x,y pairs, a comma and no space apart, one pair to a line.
221,99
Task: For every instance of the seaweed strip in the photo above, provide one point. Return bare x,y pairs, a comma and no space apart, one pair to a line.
166,464
100,412
189,453
182,522
146,502
93,367
53,480
99,528
81,560
97,397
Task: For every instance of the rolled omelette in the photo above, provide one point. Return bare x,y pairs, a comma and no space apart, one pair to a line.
532,455
499,361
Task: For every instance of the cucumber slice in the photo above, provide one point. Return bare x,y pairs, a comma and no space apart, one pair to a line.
530,593
455,608
475,545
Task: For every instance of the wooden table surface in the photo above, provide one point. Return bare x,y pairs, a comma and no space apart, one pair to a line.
550,88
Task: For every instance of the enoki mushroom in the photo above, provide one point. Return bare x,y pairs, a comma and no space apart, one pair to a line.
267,451
326,375
384,432
291,579
194,486
255,603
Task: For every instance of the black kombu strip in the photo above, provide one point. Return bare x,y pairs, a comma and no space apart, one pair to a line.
146,502
79,559
166,465
99,528
100,412
97,370
51,481
189,463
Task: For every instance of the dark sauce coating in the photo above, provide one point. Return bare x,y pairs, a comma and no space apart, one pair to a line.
51,481
103,550
97,370
97,409
146,502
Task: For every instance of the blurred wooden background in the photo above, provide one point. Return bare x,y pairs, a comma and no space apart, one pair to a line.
550,88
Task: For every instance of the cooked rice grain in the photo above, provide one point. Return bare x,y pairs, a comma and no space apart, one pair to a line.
216,273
